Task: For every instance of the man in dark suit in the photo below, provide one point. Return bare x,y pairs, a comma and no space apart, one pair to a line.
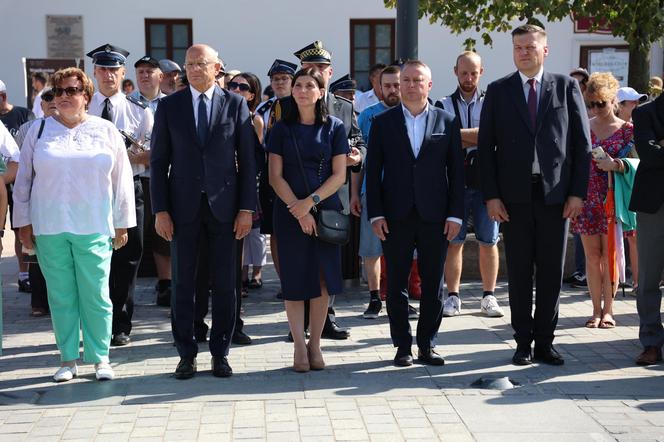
204,135
415,189
534,144
648,203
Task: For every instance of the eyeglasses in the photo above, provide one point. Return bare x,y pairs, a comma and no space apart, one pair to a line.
596,104
48,97
244,87
69,91
201,65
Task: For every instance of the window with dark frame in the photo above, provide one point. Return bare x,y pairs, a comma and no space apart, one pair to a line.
168,38
371,41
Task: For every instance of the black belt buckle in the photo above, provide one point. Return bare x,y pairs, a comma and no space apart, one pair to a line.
536,178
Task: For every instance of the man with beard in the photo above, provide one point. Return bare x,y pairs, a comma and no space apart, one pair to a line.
135,119
371,249
466,103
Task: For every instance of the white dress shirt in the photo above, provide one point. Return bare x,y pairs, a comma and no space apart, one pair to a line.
74,180
127,116
365,99
208,102
416,126
36,106
526,91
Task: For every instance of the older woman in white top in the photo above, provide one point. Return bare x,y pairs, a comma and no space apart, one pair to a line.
74,200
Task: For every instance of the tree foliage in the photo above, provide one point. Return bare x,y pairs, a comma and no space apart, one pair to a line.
639,22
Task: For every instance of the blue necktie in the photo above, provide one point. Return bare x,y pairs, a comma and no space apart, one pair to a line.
532,102
202,128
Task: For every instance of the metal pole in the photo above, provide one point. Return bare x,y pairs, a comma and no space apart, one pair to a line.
407,14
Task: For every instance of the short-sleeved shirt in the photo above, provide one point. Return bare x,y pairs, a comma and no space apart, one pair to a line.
15,118
364,121
317,145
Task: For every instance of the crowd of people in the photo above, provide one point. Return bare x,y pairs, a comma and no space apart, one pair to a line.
201,167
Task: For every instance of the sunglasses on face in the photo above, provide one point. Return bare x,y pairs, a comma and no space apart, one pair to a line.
242,86
69,91
48,97
597,104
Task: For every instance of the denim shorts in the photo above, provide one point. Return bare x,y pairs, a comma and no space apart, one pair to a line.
370,244
486,230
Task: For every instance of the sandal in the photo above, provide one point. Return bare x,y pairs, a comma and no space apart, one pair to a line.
255,283
608,323
593,322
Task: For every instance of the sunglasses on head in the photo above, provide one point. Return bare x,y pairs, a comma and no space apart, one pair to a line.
242,86
69,91
48,97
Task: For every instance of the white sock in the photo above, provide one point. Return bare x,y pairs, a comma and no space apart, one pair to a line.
23,276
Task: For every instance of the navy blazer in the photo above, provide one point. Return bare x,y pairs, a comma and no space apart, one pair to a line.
398,182
507,140
223,167
648,192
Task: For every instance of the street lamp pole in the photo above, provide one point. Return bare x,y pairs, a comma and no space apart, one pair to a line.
407,15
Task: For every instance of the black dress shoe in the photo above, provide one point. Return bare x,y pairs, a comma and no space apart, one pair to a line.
522,355
241,338
429,357
332,331
307,335
220,367
186,368
403,357
547,355
24,286
120,339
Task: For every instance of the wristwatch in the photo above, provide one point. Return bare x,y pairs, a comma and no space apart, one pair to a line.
316,198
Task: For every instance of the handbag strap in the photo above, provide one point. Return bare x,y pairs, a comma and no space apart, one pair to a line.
299,160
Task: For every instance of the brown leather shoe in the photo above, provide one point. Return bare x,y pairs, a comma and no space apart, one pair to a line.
651,355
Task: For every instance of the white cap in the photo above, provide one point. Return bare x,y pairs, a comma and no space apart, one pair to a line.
630,94
3,88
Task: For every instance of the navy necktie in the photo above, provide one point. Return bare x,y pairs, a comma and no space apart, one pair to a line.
532,102
202,128
106,112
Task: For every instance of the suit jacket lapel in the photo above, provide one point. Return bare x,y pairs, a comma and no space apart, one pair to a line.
428,130
545,98
217,102
400,125
520,100
190,121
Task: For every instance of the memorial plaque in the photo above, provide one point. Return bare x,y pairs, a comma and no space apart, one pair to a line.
64,34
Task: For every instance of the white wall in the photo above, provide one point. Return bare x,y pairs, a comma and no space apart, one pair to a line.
252,37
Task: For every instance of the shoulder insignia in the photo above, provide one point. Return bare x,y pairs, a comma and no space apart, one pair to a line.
136,101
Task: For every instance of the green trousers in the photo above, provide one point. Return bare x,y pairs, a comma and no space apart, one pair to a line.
76,269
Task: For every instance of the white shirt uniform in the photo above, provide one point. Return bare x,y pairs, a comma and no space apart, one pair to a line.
128,116
74,180
152,105
365,99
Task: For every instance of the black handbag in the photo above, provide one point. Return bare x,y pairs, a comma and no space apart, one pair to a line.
332,226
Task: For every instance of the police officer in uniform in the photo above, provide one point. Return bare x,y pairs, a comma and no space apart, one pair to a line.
344,87
315,55
133,118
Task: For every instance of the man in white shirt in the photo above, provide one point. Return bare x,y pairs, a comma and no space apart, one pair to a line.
39,80
466,103
135,119
10,153
373,95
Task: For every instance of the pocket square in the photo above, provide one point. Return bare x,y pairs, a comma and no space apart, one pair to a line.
438,134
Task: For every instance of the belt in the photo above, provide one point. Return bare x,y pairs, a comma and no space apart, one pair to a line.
536,178
137,177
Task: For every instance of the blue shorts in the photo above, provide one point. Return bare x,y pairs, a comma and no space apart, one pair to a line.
370,244
486,230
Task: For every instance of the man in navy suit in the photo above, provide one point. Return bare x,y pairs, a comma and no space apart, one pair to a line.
415,189
534,144
203,184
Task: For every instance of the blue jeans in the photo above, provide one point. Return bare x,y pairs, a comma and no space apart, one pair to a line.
486,230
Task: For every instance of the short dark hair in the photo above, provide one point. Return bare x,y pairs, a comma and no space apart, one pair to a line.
529,28
292,113
255,88
389,70
41,77
376,67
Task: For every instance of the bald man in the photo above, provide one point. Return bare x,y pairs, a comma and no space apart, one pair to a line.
204,136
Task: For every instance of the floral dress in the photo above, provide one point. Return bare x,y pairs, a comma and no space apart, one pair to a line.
592,220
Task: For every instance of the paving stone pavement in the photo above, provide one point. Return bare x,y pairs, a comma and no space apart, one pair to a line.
597,395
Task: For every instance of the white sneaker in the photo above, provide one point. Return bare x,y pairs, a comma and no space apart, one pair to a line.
452,306
65,374
490,307
104,372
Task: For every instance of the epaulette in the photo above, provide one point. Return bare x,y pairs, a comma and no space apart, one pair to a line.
136,101
343,99
265,106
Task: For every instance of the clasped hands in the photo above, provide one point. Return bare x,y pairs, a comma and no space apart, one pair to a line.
301,211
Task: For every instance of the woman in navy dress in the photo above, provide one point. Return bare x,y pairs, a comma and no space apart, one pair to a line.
310,268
